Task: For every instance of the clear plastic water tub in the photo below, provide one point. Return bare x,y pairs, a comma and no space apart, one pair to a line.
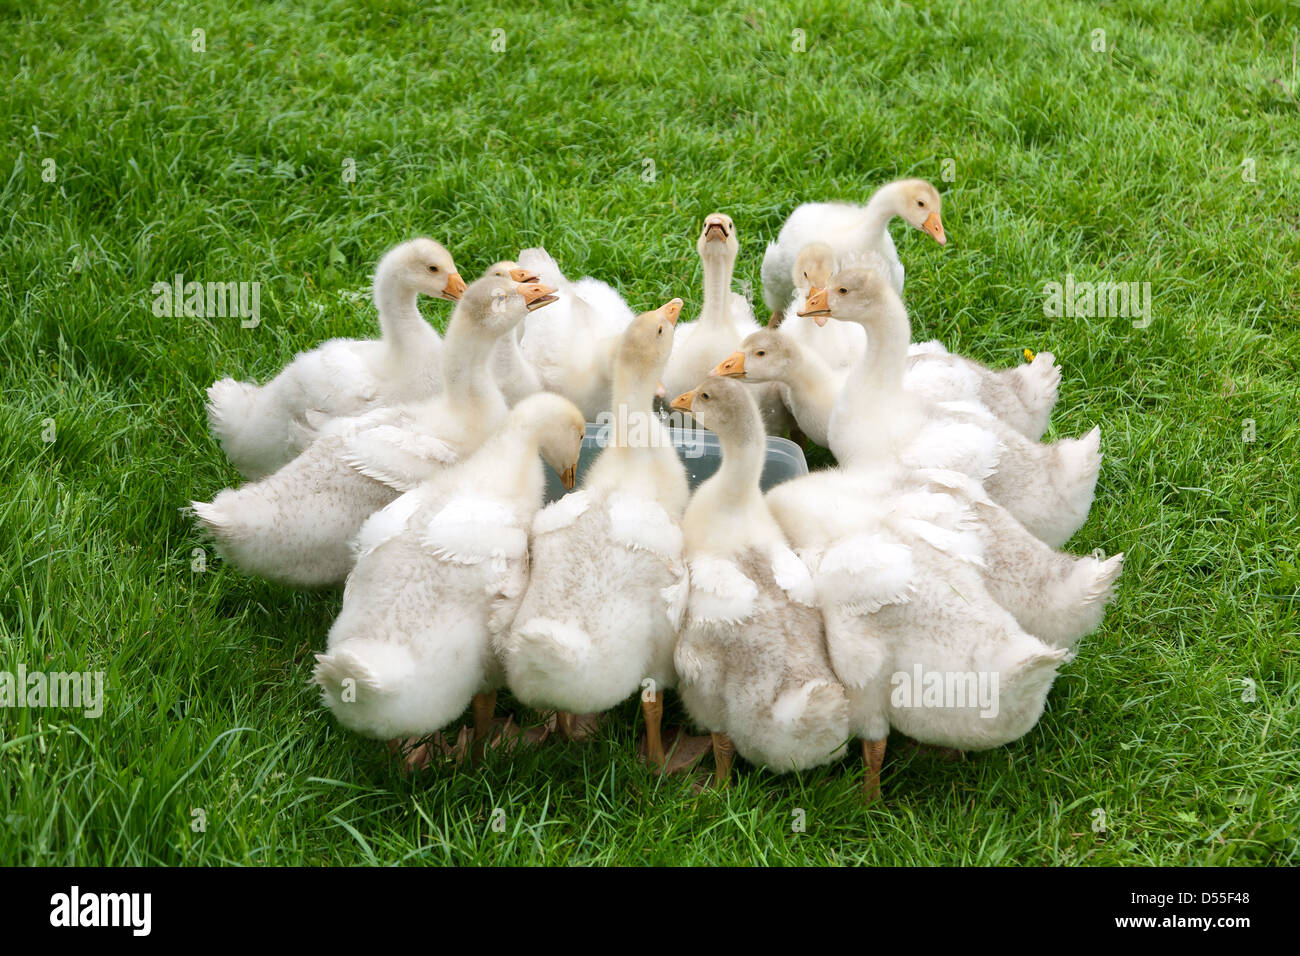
700,452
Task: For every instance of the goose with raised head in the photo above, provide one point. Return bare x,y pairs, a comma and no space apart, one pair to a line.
1048,488
719,328
920,575
593,627
439,574
725,319
262,427
808,386
572,348
751,658
296,526
851,230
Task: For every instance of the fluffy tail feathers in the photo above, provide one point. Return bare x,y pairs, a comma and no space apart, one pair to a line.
230,404
554,663
362,683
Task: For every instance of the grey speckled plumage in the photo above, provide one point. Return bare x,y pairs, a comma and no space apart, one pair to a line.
594,624
751,654
439,575
767,681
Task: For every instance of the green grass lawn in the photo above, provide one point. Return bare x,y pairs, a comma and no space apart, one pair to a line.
606,133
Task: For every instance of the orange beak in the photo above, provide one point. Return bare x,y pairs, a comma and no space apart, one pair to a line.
934,226
523,275
683,402
715,228
670,310
535,294
455,287
569,477
733,366
816,306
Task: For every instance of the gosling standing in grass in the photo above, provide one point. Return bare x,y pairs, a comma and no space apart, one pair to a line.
262,427
297,525
593,628
850,231
439,575
751,659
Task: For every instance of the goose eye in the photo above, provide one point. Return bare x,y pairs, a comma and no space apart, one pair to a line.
760,353
921,203
433,268
844,291
704,394
661,331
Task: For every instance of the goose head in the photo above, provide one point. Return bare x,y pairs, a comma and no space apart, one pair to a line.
422,266
718,238
496,304
813,266
644,349
765,356
559,428
917,202
648,341
817,262
722,405
508,269
852,295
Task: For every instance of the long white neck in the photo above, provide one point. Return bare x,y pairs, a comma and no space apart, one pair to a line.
467,376
636,427
812,382
509,364
880,208
400,322
718,268
873,408
743,453
604,356
727,513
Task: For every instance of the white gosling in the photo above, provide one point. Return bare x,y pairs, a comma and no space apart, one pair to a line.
297,525
1048,488
593,627
752,658
808,386
439,574
699,345
1022,396
725,319
261,427
851,230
